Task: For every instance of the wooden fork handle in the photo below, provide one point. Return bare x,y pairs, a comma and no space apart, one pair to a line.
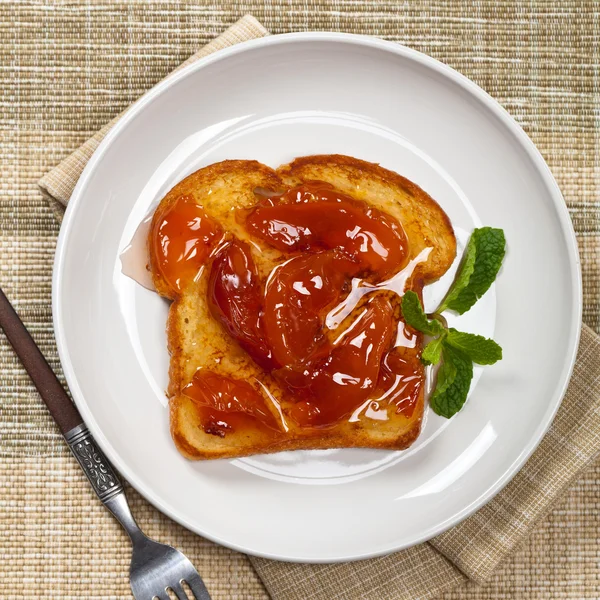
52,392
95,465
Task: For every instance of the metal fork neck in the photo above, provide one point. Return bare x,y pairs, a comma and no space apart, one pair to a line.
119,507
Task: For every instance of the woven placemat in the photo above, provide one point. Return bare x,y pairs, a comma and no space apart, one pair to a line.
45,533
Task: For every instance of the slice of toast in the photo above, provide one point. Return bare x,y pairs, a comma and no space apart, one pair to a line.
198,341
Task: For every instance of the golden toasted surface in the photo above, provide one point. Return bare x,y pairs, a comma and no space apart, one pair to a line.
196,340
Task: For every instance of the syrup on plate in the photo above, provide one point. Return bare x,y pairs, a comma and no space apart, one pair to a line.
134,259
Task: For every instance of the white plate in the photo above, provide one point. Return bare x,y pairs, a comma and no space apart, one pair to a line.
272,100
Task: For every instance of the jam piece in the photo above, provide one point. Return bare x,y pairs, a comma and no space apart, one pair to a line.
297,296
340,378
235,300
180,241
401,379
314,216
226,404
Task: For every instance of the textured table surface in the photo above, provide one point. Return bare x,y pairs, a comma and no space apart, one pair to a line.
67,68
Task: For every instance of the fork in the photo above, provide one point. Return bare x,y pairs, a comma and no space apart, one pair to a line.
155,568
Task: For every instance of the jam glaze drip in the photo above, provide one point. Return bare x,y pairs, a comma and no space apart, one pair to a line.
235,300
400,381
341,375
361,287
296,296
181,239
315,216
224,402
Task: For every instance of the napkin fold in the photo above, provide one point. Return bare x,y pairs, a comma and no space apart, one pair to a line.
58,184
468,551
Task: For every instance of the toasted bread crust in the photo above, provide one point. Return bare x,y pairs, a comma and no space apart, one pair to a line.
196,340
189,438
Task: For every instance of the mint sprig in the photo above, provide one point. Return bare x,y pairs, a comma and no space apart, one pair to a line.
458,350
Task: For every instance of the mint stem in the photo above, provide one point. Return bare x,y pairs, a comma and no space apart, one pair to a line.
439,317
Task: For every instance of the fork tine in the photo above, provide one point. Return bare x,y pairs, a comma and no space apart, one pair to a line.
179,592
197,586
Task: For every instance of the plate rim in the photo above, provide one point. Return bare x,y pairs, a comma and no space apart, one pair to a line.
427,61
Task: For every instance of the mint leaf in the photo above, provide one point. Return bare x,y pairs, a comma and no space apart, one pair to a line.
445,378
480,350
432,353
453,382
482,261
463,275
415,316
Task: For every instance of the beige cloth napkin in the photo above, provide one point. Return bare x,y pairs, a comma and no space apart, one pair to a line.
472,549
